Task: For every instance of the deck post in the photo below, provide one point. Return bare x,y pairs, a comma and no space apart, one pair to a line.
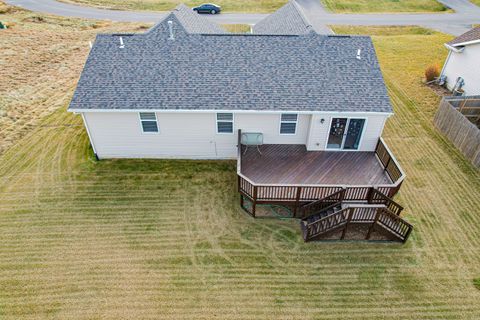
370,230
254,200
370,195
297,201
393,191
350,214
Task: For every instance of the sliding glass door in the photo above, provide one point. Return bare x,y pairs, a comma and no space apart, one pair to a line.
345,133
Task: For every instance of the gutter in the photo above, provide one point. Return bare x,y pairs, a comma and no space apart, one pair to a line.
454,49
75,110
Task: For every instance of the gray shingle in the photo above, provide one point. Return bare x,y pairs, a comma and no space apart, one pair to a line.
468,36
288,20
307,72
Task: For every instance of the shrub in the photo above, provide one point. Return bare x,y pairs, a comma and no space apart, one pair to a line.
432,72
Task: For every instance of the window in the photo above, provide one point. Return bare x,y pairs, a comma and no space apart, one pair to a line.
288,123
224,122
149,122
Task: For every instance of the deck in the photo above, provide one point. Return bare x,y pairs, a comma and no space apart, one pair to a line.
291,175
293,164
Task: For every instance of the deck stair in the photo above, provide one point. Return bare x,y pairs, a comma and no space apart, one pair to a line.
331,213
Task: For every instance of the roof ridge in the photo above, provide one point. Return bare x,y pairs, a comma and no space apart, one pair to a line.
301,13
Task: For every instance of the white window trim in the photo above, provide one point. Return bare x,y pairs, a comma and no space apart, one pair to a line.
280,125
232,121
141,126
346,130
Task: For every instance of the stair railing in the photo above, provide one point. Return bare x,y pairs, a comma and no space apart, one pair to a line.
376,215
330,222
377,197
394,224
326,203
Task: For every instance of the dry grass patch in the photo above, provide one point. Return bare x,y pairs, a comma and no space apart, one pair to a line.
41,60
378,6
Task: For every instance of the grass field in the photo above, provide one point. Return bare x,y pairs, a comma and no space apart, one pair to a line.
237,28
35,50
127,239
156,5
377,6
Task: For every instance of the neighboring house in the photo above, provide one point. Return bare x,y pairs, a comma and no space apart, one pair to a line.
463,62
186,89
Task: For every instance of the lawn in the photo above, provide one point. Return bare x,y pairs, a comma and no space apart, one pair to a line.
237,28
377,6
253,6
81,239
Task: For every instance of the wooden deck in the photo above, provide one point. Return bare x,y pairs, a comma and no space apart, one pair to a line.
293,164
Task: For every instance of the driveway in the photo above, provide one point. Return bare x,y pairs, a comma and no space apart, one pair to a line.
455,23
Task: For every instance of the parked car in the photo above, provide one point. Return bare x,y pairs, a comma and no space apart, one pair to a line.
208,8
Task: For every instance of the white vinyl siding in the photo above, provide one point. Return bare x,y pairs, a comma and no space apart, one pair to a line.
194,135
148,121
288,123
183,135
319,132
224,122
466,65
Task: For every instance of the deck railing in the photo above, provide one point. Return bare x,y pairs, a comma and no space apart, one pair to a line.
389,162
297,194
323,204
375,215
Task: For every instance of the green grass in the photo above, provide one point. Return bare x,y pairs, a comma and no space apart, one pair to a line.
237,28
156,5
477,2
377,6
476,283
125,239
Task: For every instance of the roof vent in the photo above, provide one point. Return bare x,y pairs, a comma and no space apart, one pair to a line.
359,54
122,45
170,29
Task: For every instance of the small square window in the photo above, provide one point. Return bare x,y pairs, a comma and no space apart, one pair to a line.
288,123
224,122
149,122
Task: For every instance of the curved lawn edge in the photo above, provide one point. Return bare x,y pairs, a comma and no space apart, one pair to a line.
228,6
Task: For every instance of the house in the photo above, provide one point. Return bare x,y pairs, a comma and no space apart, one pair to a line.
462,67
188,89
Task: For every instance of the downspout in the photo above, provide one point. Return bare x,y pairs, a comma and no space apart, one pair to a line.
446,61
90,136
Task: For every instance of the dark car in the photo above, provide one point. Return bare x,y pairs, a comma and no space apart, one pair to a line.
208,8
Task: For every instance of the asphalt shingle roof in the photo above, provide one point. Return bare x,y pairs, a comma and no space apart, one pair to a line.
288,20
308,72
471,35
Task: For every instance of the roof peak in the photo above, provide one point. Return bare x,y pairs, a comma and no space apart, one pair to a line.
289,19
190,21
